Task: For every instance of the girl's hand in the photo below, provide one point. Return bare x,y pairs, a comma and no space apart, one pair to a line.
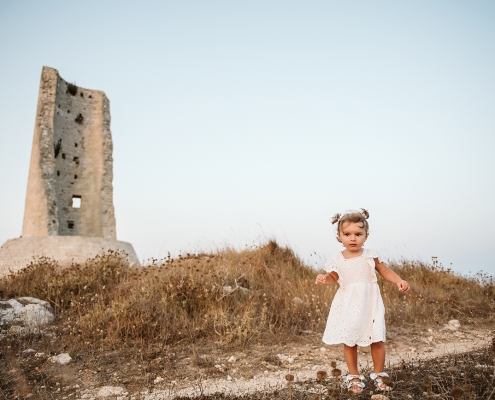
403,286
321,279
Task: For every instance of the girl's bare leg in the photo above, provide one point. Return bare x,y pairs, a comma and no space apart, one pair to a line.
350,355
378,356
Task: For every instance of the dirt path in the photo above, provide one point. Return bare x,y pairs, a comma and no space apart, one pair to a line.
265,367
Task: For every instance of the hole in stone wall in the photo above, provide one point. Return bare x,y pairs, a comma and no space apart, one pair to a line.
75,144
76,201
58,173
75,176
76,160
79,119
70,224
58,147
72,89
82,94
68,111
90,96
63,156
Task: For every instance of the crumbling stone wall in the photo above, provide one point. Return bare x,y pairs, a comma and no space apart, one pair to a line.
70,189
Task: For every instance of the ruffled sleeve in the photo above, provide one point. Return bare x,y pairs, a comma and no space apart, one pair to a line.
370,257
330,265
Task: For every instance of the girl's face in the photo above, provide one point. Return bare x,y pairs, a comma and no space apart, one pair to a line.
353,235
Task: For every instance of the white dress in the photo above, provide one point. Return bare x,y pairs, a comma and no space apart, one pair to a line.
357,314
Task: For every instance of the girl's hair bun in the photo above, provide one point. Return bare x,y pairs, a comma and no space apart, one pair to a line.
365,213
335,218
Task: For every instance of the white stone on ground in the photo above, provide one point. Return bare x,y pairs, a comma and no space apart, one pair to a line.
110,391
63,358
453,325
26,311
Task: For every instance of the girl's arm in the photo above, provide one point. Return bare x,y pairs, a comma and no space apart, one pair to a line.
328,279
391,276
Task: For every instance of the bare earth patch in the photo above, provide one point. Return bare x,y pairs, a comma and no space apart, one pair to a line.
210,369
264,366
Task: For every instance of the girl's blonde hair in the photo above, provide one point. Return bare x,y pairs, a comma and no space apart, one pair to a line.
352,216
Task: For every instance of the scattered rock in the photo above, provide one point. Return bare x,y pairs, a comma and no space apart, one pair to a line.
28,352
109,391
232,359
453,325
323,350
481,366
379,397
220,368
26,311
158,379
226,290
62,358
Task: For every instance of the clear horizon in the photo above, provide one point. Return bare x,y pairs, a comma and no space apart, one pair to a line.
237,122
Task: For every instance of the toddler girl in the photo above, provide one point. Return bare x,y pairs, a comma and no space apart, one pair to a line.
357,314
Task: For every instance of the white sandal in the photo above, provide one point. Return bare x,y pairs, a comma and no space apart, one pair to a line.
379,381
351,384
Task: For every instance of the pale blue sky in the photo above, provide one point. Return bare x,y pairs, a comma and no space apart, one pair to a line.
234,121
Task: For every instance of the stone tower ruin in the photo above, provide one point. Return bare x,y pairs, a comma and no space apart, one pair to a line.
69,213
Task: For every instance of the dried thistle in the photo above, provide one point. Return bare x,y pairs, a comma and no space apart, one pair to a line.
333,393
289,378
428,384
333,364
452,370
457,393
321,375
387,381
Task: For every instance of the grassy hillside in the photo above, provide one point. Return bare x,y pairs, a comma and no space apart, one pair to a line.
232,296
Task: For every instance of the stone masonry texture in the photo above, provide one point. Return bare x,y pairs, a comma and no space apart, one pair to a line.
71,163
69,191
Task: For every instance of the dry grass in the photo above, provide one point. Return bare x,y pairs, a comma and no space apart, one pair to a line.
263,293
234,296
437,294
